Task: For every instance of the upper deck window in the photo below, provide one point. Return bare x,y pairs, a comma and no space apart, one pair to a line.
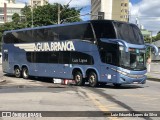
104,29
55,33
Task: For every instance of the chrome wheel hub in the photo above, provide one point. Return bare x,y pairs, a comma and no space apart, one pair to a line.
78,78
25,73
92,79
17,71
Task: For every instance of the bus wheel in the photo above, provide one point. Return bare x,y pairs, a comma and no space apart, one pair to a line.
78,78
92,79
25,73
116,84
17,72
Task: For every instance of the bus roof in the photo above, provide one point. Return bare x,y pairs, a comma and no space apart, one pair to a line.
48,26
58,25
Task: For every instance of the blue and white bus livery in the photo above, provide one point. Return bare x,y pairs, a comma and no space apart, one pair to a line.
97,51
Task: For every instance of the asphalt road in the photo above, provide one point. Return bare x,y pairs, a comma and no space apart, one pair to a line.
17,94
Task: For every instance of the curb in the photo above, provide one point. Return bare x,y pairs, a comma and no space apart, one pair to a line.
153,79
2,81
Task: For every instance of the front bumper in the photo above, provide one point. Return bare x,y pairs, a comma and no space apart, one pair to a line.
132,80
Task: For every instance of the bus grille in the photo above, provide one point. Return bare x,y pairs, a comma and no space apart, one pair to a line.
135,76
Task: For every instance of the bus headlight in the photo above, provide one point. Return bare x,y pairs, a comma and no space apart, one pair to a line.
119,71
121,48
123,73
145,74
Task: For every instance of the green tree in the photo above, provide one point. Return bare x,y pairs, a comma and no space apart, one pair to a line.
48,14
27,15
16,18
158,36
147,39
153,38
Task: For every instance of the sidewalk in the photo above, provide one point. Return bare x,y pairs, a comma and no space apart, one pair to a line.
153,75
154,71
2,80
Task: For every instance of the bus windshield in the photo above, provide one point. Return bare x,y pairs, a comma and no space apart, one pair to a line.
133,60
129,33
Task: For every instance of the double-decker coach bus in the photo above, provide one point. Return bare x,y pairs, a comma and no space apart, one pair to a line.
97,51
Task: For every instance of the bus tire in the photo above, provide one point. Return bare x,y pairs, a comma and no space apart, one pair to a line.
116,84
17,72
79,81
25,73
92,79
102,84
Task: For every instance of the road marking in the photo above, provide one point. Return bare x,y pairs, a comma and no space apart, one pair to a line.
150,99
100,106
133,95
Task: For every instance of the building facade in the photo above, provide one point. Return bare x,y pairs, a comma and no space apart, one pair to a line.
8,8
113,9
34,3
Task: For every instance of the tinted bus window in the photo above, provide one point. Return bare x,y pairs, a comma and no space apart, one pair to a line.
109,54
65,57
42,57
104,29
80,31
129,32
10,38
81,58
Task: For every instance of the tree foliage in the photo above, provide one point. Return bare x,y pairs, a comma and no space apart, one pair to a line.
16,18
158,36
147,39
48,14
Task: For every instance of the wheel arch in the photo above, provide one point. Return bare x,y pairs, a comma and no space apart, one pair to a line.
78,69
15,66
24,65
